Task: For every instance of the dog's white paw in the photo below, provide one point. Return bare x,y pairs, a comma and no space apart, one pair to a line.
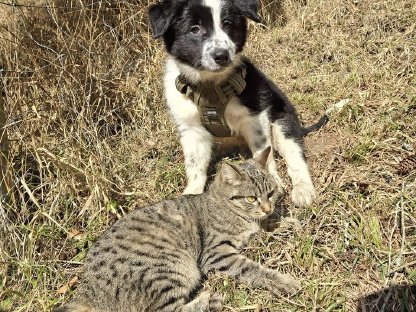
193,189
303,194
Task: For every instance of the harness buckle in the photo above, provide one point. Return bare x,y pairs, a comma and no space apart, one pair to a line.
212,100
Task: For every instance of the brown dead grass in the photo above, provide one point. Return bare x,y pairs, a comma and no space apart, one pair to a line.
90,136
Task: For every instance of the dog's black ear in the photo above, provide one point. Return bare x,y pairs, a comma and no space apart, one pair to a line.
249,9
161,16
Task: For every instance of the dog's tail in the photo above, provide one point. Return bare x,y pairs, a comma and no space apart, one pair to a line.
325,118
316,126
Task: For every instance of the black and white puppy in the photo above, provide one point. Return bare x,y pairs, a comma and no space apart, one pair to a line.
204,39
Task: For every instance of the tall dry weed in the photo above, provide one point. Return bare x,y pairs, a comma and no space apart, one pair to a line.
84,115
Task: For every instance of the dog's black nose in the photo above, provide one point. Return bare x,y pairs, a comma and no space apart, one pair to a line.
221,57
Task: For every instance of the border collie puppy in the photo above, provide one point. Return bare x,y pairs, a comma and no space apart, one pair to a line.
204,39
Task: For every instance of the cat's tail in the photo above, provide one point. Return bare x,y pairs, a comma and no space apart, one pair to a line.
75,306
325,118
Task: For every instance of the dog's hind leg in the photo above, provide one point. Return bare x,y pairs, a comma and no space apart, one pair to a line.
257,133
197,144
290,147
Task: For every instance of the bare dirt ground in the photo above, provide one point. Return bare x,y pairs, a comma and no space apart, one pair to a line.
91,140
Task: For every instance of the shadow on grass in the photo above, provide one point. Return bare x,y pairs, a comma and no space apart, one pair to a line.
281,210
392,299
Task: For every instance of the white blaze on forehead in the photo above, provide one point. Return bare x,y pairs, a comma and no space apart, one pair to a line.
218,40
216,6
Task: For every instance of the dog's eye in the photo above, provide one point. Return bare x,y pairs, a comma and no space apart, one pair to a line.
226,24
250,199
195,29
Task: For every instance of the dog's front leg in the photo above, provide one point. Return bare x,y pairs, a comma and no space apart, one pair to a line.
291,149
197,145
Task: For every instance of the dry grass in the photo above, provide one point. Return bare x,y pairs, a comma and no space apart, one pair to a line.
90,136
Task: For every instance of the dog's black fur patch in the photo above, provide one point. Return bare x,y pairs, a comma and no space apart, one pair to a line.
261,94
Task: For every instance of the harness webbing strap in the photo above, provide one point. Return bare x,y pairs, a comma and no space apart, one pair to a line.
211,100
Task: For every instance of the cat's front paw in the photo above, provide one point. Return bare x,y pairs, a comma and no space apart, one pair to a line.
204,302
303,194
283,283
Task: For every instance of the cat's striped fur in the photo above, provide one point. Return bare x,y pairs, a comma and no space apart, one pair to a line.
155,258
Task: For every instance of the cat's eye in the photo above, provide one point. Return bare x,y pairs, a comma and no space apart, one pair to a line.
195,29
269,195
250,199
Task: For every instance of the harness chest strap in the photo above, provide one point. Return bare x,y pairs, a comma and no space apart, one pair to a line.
211,100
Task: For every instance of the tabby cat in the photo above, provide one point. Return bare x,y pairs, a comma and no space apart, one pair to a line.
155,258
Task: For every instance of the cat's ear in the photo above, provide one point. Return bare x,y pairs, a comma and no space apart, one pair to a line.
230,175
261,159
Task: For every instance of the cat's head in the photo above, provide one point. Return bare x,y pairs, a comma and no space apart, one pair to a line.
249,186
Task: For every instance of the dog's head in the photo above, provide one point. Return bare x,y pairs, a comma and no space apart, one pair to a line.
204,34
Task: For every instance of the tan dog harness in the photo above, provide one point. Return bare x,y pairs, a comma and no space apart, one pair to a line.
211,100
